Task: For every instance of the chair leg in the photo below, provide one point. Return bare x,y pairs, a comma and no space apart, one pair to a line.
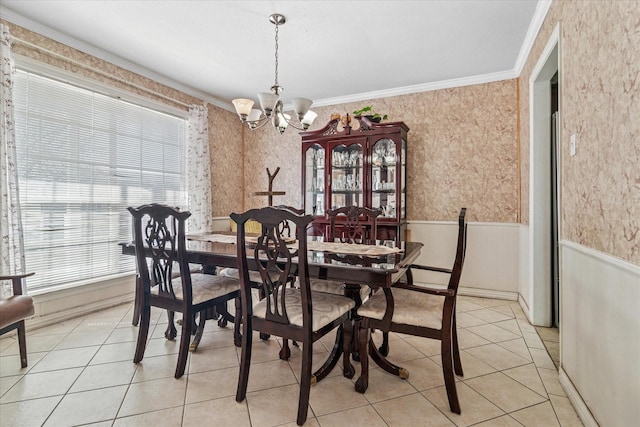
143,333
245,360
447,371
285,351
305,382
199,330
384,347
171,331
457,363
22,344
137,304
183,352
237,338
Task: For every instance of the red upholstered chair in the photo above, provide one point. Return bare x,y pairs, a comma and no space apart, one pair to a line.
13,311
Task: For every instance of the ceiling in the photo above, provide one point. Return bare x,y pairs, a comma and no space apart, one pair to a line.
329,51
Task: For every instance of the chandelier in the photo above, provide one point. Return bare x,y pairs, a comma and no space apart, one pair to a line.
271,104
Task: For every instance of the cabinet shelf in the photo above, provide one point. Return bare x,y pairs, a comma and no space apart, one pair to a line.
346,191
343,167
389,191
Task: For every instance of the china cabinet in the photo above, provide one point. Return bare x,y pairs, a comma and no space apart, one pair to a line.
355,162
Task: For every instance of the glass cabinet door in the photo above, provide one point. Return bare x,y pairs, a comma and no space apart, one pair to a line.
383,177
314,180
403,180
347,175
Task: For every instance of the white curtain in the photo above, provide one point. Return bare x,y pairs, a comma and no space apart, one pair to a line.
199,170
11,244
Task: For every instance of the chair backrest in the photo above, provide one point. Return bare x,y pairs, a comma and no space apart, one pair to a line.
286,227
271,254
159,239
353,224
461,250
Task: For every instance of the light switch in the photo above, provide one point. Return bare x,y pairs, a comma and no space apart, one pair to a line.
572,144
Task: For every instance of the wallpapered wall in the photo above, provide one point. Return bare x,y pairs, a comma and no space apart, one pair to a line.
462,146
600,102
463,142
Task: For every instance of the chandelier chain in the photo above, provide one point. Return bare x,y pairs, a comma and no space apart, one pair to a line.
276,82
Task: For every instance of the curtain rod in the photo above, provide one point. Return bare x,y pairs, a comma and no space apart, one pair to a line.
105,74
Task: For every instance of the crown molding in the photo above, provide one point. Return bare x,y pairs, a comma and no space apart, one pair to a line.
534,27
424,87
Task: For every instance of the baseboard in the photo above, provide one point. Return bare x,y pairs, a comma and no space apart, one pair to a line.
576,400
525,307
81,310
488,293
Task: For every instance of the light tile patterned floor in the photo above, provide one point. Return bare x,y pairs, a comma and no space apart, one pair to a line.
80,373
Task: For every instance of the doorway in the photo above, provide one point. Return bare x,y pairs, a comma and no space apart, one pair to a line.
544,201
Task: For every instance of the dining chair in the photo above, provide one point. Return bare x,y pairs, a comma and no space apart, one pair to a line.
14,310
295,313
420,311
351,224
160,244
254,276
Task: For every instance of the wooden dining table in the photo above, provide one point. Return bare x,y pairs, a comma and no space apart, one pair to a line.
325,261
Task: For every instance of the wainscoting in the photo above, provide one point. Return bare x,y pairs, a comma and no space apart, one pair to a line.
491,268
600,335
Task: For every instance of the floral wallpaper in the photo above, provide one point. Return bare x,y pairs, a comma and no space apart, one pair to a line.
599,87
225,142
462,145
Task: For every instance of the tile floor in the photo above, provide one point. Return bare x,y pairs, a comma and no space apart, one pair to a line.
80,373
551,339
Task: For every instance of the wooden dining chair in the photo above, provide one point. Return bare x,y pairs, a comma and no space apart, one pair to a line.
351,224
421,311
14,310
160,243
295,313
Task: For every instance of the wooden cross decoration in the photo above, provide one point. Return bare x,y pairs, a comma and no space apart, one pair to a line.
270,193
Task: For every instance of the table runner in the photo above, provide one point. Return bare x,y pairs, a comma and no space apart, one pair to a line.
352,248
214,238
332,247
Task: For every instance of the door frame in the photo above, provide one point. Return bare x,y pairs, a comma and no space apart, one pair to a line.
540,307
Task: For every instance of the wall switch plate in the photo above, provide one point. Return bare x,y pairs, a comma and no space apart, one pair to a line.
572,144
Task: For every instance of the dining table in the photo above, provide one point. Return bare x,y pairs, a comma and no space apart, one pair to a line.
377,266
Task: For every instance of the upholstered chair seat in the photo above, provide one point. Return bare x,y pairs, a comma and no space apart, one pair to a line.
326,308
336,287
409,308
204,287
14,309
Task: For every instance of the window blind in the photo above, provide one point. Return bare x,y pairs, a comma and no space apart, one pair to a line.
83,158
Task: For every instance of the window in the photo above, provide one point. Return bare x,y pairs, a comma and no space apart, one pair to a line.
83,157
